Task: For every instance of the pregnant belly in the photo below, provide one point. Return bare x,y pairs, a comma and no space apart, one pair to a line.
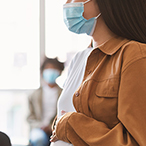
60,143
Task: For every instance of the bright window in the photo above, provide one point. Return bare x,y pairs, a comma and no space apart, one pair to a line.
59,40
19,44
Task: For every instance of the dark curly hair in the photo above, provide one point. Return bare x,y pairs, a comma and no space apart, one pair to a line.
59,65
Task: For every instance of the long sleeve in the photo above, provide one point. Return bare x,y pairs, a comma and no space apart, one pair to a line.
32,119
34,112
81,130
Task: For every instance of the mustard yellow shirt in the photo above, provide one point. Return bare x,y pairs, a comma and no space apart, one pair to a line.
111,101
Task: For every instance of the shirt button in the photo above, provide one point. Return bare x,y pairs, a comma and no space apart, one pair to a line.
77,94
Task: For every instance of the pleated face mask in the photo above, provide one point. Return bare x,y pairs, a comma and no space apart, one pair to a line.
74,20
50,75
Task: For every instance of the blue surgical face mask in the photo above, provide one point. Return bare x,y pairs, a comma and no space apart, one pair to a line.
74,20
50,75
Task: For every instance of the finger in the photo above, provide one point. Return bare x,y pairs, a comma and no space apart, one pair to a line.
63,112
53,132
53,138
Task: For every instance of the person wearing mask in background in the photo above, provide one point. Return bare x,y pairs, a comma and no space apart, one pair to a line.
106,84
42,103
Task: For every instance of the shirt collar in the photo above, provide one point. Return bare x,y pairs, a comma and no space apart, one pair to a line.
113,45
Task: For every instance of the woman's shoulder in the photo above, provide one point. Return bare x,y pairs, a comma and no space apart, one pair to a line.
133,51
134,44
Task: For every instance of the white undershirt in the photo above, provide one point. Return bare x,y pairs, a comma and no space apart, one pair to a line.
73,81
50,96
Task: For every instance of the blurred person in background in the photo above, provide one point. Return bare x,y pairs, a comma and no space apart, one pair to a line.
43,102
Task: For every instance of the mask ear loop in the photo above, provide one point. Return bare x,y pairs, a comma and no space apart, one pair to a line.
95,24
98,16
86,1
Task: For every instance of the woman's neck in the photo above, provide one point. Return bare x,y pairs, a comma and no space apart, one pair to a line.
102,34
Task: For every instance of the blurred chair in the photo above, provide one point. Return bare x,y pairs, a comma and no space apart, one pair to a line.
4,140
